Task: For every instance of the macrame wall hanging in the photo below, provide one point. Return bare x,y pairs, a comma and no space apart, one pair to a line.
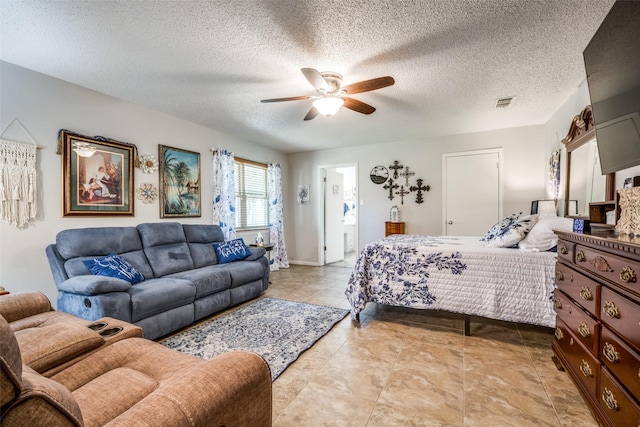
18,193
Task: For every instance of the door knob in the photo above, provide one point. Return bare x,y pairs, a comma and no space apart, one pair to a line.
450,222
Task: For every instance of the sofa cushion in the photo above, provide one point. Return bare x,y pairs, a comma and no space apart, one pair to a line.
200,239
87,242
242,272
166,248
76,267
158,295
207,280
114,266
233,250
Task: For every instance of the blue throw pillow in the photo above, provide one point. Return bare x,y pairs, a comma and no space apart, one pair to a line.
232,250
114,266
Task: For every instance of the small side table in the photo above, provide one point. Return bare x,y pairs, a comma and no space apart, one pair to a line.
266,248
393,228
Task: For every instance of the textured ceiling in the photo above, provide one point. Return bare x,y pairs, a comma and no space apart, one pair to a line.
211,62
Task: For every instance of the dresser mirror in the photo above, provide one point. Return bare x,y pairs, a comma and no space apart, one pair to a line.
585,183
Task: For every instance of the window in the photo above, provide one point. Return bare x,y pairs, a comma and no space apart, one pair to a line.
252,204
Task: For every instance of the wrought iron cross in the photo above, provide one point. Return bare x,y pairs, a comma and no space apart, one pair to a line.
419,188
402,192
395,166
390,185
406,174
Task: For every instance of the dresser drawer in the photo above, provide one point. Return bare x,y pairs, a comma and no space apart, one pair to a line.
620,271
583,364
622,315
583,326
616,403
566,250
580,288
621,360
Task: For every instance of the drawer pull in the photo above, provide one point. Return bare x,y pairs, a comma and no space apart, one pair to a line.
559,334
584,330
611,310
601,264
586,294
586,369
627,275
610,353
557,303
559,276
609,399
581,257
564,250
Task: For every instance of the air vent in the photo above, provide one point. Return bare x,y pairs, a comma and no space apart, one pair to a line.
504,102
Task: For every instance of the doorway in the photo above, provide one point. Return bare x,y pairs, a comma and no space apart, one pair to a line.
339,219
472,191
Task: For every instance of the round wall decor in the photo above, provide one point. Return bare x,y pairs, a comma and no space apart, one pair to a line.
379,174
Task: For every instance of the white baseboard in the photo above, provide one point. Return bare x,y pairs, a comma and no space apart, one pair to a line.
313,264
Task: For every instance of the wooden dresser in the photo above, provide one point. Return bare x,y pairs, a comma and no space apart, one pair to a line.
597,337
393,228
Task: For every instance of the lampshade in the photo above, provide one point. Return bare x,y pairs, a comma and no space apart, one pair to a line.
328,106
84,150
544,207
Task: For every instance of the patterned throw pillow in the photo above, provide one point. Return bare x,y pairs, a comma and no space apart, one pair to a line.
501,227
232,250
114,266
513,234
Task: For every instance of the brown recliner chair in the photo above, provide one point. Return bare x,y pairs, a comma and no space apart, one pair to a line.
133,382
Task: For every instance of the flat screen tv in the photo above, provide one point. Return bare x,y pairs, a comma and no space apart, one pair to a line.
612,63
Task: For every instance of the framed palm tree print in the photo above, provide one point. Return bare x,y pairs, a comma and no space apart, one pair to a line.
179,183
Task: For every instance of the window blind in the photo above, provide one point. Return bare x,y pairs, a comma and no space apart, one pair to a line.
252,204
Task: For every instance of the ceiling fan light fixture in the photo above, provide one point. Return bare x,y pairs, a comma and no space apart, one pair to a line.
328,106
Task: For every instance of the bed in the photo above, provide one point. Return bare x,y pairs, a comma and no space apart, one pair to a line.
462,275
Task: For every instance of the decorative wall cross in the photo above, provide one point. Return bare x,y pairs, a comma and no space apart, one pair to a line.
395,166
402,192
390,185
406,174
419,188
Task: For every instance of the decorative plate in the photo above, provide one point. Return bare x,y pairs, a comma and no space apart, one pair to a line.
148,163
379,174
147,192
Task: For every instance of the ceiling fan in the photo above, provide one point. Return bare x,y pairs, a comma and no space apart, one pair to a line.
331,95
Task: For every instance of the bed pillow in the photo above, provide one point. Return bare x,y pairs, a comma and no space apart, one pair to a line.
510,236
114,266
541,237
503,224
233,250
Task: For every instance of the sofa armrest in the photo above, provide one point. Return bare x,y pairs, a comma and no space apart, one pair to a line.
231,389
45,347
93,285
21,305
256,253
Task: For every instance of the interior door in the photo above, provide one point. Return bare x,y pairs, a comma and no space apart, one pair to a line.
472,193
333,216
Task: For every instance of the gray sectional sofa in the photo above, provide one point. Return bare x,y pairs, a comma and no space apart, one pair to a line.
183,280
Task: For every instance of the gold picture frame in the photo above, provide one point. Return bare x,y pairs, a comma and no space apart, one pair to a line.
179,183
97,175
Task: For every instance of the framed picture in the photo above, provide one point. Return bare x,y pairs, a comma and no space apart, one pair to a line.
179,183
302,195
97,175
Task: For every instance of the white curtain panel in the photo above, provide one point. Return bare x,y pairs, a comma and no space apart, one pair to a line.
278,254
224,193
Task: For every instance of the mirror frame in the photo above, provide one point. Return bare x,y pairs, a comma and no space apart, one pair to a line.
581,132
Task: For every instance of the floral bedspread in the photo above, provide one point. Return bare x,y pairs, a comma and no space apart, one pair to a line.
457,274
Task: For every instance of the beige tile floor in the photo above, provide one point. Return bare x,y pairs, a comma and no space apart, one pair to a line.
416,368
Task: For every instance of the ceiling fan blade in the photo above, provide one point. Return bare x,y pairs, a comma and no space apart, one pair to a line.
359,106
313,112
367,85
314,77
291,98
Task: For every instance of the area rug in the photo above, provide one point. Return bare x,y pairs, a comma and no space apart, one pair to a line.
277,329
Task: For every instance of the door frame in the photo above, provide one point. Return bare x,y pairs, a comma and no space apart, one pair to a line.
320,207
445,156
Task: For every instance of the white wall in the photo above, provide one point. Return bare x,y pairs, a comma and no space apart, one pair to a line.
524,179
44,105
